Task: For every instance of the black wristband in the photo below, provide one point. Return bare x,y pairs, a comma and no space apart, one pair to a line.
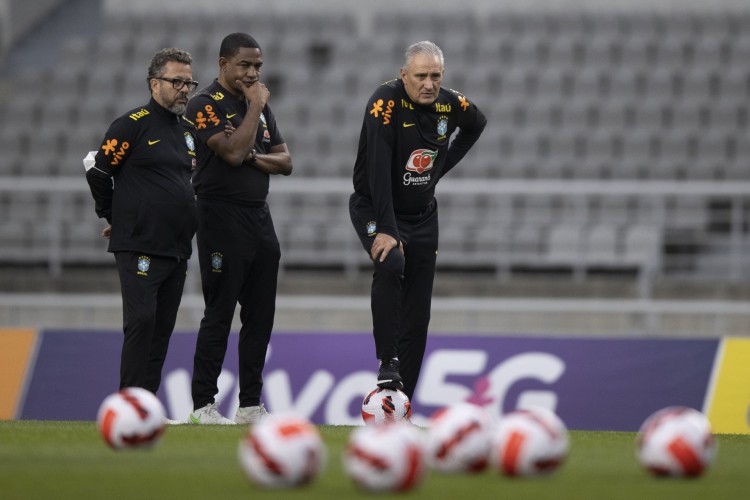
254,157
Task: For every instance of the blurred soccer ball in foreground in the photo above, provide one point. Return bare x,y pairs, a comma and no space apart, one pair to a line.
388,457
385,405
131,418
529,443
458,438
676,441
282,451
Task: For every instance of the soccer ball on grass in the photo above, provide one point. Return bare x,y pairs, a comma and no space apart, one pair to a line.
676,441
385,405
131,418
282,451
458,438
529,442
388,457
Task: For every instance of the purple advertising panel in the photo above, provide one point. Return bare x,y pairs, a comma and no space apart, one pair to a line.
607,384
71,375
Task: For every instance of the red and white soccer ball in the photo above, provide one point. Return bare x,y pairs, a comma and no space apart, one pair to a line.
458,438
676,441
131,418
282,451
385,405
529,442
388,457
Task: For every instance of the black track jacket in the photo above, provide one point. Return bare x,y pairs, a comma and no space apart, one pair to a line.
404,149
149,153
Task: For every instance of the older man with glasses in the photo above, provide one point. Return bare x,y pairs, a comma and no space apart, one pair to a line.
141,184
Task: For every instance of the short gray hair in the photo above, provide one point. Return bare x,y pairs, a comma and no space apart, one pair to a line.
424,47
161,58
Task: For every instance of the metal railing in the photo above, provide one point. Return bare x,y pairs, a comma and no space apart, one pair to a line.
735,196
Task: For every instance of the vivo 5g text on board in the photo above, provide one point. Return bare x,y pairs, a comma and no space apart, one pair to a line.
570,376
332,398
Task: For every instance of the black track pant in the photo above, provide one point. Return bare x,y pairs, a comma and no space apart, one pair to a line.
151,289
401,293
239,260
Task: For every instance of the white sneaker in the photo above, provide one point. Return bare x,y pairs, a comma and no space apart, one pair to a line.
209,414
250,414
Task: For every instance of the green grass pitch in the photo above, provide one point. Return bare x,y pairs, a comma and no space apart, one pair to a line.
69,460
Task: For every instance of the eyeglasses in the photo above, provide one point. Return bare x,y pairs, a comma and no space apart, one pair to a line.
178,84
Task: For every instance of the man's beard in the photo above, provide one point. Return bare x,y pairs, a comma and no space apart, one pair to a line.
178,109
175,107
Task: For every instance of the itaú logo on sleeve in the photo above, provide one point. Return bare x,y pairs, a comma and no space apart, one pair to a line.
421,160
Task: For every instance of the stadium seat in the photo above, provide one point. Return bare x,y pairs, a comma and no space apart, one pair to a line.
24,113
642,245
81,231
454,244
648,211
710,157
601,145
526,245
565,246
736,168
709,55
636,156
610,211
44,154
14,145
617,115
700,84
23,226
686,116
727,115
536,210
687,215
463,211
70,84
490,246
601,247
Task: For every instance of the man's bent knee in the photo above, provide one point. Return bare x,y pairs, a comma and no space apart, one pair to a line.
394,263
